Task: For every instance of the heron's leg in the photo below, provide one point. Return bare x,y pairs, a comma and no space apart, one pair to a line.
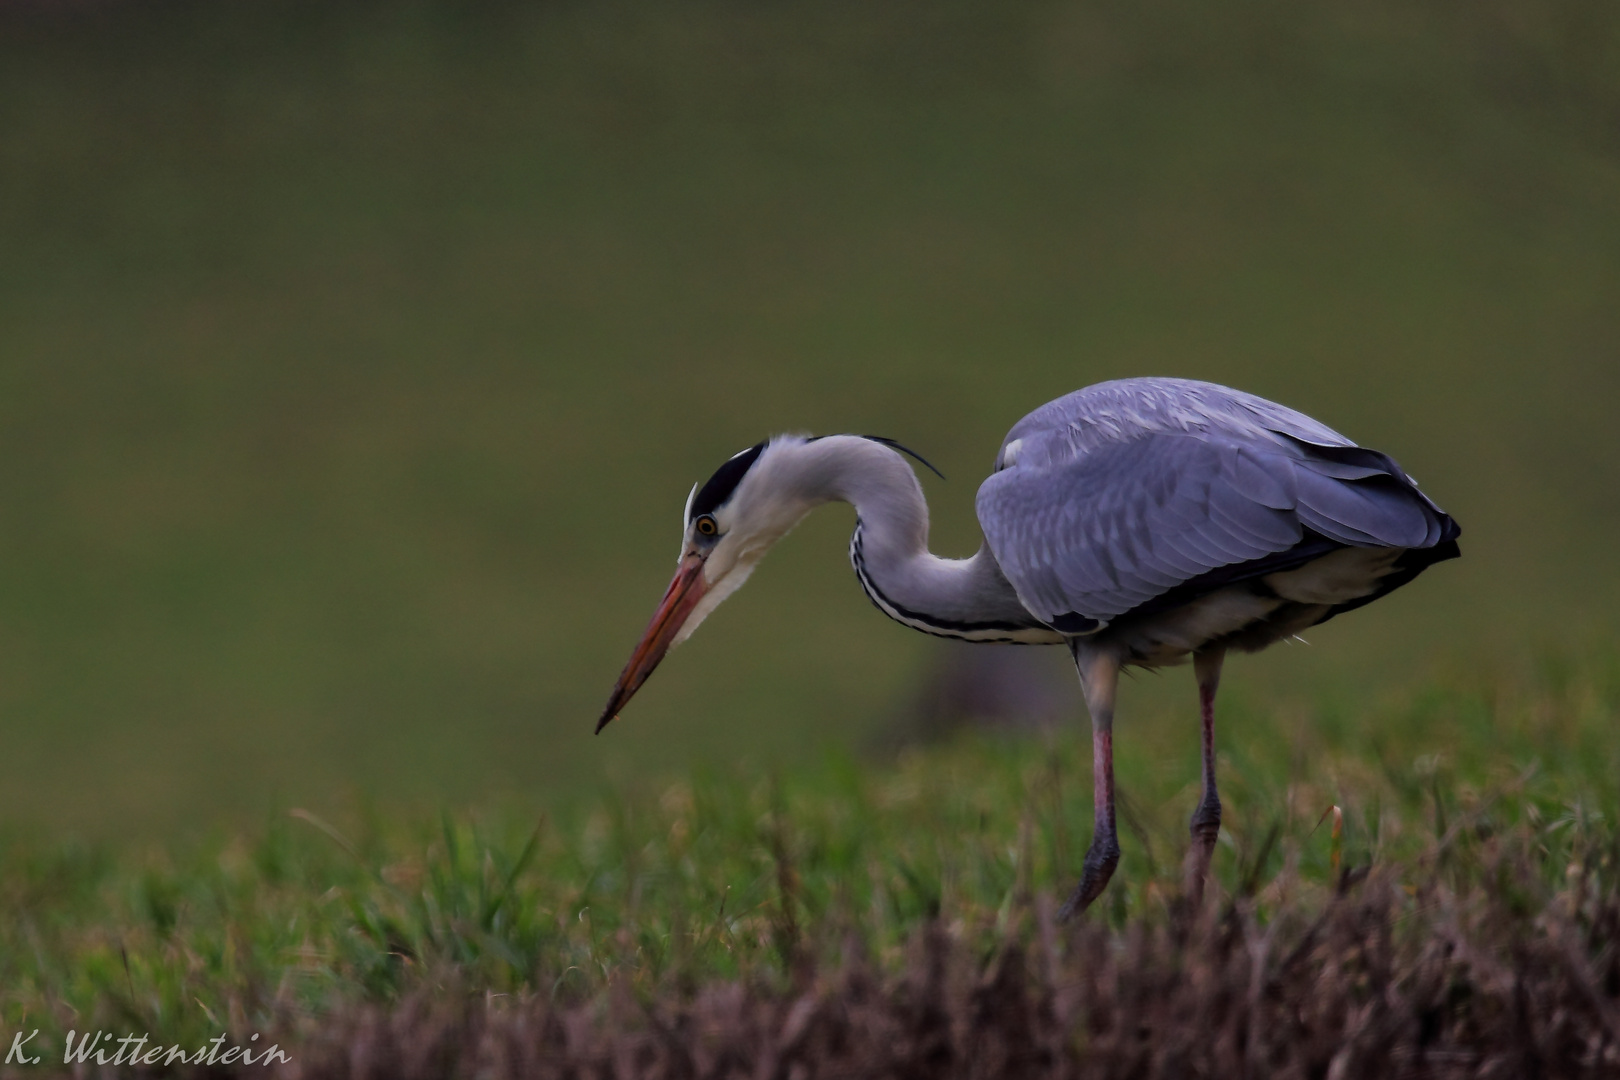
1099,679
1206,820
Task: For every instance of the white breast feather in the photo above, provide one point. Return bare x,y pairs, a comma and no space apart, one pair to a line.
1338,578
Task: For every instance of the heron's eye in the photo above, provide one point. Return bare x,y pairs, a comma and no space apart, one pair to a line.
706,526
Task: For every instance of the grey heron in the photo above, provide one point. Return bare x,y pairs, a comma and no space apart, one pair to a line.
1137,522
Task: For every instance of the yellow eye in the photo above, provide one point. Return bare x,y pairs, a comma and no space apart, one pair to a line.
706,526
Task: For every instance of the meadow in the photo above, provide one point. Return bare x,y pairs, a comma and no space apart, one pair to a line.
355,362
681,926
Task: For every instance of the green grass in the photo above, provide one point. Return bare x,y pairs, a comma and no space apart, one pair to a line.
742,875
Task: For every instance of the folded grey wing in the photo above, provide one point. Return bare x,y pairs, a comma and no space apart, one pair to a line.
1085,537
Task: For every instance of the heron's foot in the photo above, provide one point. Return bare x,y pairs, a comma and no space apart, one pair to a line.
1205,829
1099,867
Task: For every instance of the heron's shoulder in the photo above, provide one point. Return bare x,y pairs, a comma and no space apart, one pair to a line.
1124,410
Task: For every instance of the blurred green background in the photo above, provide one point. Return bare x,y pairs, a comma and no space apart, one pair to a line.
356,358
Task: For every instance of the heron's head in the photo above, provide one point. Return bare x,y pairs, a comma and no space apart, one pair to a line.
751,501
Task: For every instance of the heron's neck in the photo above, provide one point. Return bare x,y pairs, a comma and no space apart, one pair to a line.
964,598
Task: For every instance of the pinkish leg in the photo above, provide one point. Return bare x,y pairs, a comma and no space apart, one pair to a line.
1206,820
1099,678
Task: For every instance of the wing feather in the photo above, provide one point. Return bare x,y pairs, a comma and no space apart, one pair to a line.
1126,492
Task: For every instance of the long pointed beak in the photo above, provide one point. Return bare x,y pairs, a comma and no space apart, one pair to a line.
679,601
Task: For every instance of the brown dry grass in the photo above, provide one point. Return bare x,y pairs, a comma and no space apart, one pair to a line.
1504,969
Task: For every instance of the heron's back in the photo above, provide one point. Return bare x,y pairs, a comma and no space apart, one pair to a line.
1170,515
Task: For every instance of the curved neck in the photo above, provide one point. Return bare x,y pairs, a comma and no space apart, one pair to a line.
965,598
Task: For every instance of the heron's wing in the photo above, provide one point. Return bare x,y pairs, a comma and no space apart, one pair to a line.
1090,520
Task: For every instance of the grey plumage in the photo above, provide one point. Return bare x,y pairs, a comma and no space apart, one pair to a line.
1142,522
1114,495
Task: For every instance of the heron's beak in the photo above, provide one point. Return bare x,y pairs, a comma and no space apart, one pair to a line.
684,594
